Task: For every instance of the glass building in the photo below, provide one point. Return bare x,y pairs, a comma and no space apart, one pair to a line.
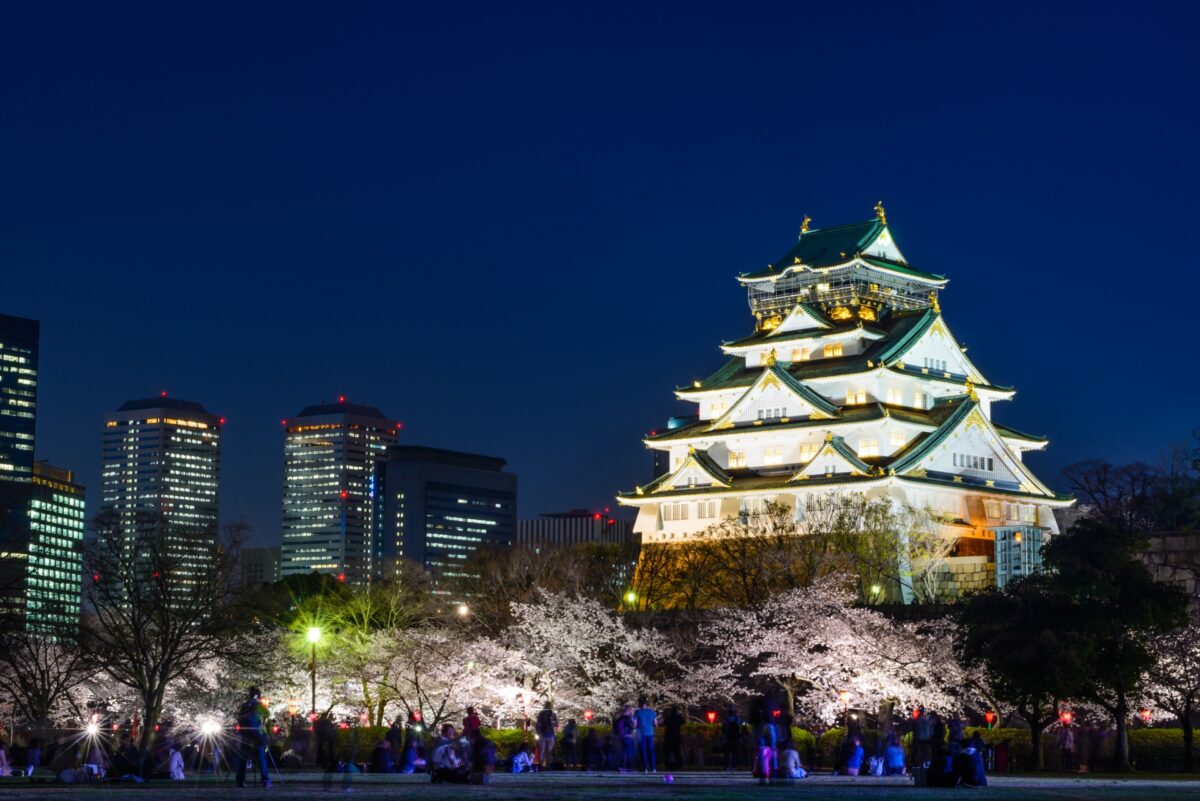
160,471
18,414
55,567
442,506
331,524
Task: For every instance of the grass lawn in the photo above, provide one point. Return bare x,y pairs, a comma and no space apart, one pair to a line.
612,787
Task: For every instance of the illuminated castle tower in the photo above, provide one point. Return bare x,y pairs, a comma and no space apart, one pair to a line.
852,383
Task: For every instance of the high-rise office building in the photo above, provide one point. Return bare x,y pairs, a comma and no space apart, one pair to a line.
160,471
330,513
259,566
576,527
441,506
55,559
18,414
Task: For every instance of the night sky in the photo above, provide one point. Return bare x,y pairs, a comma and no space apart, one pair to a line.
516,229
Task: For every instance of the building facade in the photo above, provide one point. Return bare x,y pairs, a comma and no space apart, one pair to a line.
851,382
160,476
259,566
576,527
331,517
18,415
57,521
442,506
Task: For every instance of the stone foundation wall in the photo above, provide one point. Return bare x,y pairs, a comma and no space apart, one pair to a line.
1175,559
963,574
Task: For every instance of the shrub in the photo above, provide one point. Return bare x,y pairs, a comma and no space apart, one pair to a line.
1156,749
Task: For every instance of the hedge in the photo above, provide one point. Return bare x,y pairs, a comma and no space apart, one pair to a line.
1156,749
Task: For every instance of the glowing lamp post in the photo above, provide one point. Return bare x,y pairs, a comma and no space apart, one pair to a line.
712,716
588,715
1146,715
631,598
314,636
463,610
1066,716
990,717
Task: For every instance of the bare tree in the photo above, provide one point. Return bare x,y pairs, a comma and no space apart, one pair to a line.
163,601
40,671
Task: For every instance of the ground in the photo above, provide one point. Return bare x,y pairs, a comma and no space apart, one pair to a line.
575,786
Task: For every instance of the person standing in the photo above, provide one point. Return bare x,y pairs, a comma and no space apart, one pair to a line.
673,738
570,735
324,735
471,724
922,739
547,728
1066,747
646,719
252,734
731,738
175,763
625,729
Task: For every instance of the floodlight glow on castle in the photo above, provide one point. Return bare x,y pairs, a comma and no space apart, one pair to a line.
851,382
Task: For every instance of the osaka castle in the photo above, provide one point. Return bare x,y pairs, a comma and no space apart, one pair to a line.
852,382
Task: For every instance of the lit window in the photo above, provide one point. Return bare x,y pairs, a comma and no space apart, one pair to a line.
992,509
772,456
801,354
895,396
868,447
898,439
737,459
918,400
833,349
854,396
1028,514
808,450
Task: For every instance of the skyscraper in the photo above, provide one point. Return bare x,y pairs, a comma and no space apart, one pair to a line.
18,410
441,506
160,471
330,510
55,558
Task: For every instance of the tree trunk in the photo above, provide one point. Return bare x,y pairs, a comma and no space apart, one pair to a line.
1035,736
1185,720
1122,735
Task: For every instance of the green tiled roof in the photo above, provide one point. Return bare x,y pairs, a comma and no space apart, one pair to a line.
766,338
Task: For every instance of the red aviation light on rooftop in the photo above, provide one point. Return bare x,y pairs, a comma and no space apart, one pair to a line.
283,422
341,398
342,577
221,421
162,394
596,516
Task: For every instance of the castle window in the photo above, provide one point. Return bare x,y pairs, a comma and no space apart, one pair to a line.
992,509
801,354
895,396
854,396
1028,513
898,439
833,349
918,400
737,459
706,509
808,450
868,447
772,456
675,511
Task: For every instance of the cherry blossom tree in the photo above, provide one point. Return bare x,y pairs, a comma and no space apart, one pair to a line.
1173,681
816,645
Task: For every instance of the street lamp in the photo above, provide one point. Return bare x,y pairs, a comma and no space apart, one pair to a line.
1146,714
631,598
314,636
463,610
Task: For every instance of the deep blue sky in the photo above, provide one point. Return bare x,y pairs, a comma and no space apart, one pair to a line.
517,228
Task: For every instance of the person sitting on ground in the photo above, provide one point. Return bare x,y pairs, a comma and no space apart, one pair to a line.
893,757
174,763
33,757
381,758
448,765
789,762
522,761
941,767
854,757
968,768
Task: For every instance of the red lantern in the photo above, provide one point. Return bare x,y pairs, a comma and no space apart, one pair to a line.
775,713
1066,717
917,713
711,715
990,717
588,715
1145,713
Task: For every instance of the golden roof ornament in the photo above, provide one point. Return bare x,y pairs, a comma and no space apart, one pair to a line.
829,436
804,224
691,450
971,391
771,358
933,303
880,213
